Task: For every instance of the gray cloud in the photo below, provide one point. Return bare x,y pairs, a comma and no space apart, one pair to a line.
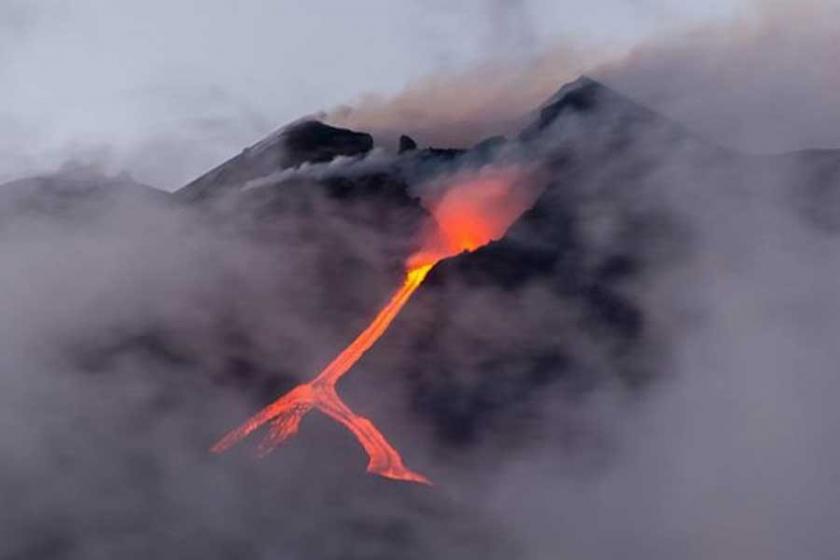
761,82
732,456
764,83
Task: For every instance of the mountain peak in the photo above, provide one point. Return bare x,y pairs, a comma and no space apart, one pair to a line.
605,111
586,97
582,92
304,141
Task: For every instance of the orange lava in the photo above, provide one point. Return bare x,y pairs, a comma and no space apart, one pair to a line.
471,213
286,413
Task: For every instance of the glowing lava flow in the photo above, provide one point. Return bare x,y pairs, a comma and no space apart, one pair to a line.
471,213
286,412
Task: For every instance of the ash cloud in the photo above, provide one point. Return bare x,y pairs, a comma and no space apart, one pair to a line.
763,83
458,109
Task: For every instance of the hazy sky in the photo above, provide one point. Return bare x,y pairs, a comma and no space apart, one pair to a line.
167,88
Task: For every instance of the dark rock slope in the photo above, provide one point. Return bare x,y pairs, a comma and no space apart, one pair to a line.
307,141
492,329
551,305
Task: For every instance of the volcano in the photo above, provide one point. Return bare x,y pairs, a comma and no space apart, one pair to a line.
542,244
593,147
564,274
142,327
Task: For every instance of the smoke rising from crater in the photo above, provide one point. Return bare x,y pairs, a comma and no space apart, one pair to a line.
762,82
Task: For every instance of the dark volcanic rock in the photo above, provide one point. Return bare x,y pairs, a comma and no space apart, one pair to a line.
544,306
356,228
443,154
588,98
304,142
316,142
407,144
498,326
552,303
474,363
589,122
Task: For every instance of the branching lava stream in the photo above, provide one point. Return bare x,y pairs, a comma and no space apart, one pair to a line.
471,213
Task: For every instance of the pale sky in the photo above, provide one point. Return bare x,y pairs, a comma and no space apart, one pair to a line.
168,88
